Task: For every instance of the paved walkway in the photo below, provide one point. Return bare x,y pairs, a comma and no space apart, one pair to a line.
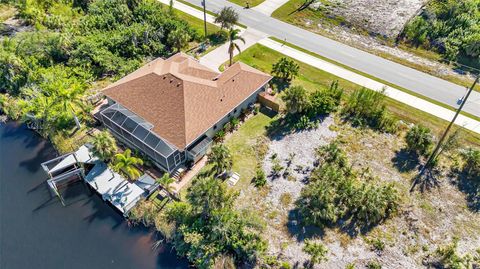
393,93
267,7
218,56
178,185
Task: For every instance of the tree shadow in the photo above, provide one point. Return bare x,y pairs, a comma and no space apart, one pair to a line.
470,188
405,160
427,179
299,231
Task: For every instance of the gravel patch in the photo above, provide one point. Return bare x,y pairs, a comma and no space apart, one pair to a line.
303,145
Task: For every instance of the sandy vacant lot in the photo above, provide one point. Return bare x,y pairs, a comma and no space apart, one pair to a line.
383,17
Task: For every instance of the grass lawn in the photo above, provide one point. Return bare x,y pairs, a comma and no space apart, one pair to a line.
242,143
312,78
197,23
243,3
380,80
288,13
6,12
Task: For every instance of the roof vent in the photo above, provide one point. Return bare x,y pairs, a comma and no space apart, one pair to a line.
178,85
164,77
171,80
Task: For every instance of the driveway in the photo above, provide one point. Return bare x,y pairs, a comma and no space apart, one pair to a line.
220,55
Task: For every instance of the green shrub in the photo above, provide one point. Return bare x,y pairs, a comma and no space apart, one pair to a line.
419,139
324,101
472,162
374,264
365,107
317,251
219,136
259,180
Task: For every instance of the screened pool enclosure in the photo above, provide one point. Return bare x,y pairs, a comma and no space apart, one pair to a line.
136,132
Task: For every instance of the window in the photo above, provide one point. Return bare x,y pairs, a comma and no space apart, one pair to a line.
215,127
177,158
235,110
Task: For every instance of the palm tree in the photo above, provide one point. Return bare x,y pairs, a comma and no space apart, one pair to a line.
125,162
232,36
221,159
70,97
165,181
104,145
227,18
39,108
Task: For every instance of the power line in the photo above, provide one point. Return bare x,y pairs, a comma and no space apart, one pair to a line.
433,155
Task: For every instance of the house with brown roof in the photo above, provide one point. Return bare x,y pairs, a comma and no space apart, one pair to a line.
170,109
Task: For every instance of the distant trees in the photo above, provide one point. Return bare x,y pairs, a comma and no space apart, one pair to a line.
286,69
220,158
419,139
104,145
126,163
46,72
451,27
233,35
227,18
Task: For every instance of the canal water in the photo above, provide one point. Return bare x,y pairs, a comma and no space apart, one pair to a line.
36,231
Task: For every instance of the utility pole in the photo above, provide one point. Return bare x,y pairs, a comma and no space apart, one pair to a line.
204,4
437,148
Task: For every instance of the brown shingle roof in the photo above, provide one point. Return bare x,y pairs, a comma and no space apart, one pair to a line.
183,98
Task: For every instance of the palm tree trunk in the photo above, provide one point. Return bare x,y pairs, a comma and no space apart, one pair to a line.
231,57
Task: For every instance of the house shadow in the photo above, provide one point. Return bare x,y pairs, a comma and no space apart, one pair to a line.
405,161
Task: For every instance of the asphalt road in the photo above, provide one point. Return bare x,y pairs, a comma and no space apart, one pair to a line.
408,78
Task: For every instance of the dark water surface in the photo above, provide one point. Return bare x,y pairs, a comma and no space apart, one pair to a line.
36,231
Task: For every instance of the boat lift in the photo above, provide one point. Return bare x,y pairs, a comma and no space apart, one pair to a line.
67,169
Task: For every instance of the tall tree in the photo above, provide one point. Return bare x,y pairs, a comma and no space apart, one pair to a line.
178,39
126,163
233,35
104,145
227,18
220,158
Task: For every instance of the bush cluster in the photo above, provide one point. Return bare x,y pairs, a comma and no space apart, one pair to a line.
450,27
47,71
365,107
336,192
